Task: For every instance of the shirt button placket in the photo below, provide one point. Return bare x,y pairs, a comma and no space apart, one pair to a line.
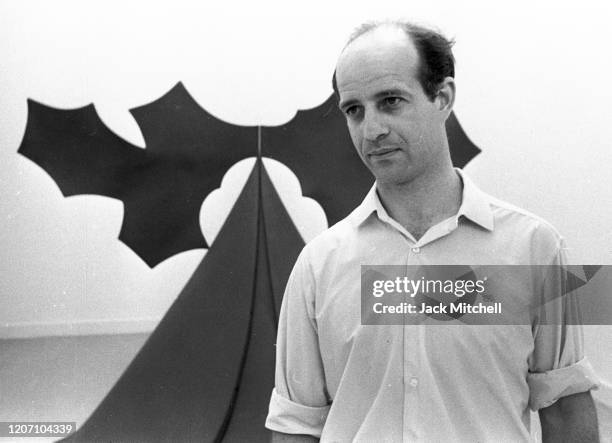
411,393
411,365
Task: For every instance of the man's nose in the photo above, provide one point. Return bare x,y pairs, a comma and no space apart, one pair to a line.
374,128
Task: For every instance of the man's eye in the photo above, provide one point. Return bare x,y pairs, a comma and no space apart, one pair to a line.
392,101
351,111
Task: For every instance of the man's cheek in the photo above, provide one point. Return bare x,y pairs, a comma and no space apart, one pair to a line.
356,139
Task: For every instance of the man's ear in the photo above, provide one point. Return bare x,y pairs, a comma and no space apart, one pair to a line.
446,96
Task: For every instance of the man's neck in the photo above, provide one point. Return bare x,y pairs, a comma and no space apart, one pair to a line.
423,202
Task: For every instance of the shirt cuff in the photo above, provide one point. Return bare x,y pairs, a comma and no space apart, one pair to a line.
293,418
545,388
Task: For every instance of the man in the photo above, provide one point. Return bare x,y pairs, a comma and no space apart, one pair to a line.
339,380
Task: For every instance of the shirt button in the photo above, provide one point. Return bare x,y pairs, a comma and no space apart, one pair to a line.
414,382
416,249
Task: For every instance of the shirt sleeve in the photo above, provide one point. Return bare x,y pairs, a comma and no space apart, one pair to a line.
299,402
557,366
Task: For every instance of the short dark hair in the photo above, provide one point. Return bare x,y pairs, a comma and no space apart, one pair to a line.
436,60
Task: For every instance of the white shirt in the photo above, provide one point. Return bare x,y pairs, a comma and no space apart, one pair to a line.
343,381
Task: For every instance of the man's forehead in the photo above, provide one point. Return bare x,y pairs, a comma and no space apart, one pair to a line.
377,42
377,61
386,48
372,87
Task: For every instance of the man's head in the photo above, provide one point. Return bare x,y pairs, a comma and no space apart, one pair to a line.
396,100
435,53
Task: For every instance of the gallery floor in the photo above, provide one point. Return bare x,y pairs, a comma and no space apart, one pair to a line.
65,378
61,378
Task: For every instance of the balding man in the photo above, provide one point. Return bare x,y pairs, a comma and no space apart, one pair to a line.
340,380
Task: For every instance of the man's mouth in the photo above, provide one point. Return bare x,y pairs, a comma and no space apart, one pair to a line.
384,152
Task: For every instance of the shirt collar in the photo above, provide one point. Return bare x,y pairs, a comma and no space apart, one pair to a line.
475,205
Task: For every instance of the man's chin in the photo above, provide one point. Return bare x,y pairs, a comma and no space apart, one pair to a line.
390,179
390,173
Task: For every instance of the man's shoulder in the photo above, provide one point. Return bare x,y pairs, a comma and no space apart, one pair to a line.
330,239
502,217
326,249
520,223
505,211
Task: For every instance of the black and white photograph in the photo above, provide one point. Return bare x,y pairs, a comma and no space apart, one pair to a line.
365,221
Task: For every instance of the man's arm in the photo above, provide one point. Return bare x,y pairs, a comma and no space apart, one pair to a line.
570,419
299,403
279,437
558,366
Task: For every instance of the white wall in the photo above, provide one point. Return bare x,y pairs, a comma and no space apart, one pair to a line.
533,93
